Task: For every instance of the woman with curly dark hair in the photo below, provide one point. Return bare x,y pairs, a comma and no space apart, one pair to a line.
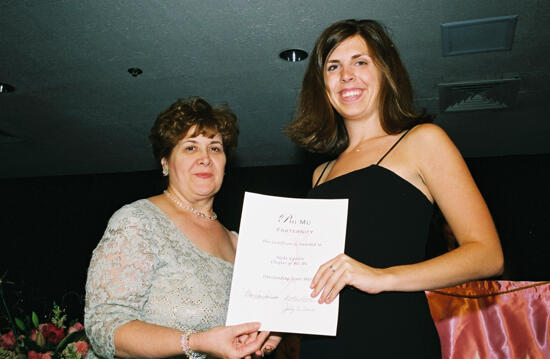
392,164
159,280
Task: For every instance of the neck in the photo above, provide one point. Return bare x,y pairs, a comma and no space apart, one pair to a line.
363,131
179,201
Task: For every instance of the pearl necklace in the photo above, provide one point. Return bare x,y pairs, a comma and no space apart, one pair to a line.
196,212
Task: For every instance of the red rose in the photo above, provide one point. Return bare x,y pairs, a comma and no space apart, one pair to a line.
82,347
47,355
75,328
52,333
7,341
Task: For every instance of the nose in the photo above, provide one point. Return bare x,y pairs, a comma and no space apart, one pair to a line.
205,159
346,74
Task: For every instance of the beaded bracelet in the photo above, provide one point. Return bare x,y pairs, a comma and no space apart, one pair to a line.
185,346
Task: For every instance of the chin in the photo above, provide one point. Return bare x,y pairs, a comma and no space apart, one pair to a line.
206,192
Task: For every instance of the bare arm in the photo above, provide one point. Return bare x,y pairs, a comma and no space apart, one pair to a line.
138,339
450,183
143,340
448,180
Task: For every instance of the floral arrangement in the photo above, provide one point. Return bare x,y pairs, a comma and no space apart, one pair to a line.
30,339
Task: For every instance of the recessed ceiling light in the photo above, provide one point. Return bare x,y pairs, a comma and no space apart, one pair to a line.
293,55
5,88
135,71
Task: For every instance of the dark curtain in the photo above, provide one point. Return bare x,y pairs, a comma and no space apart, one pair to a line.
50,225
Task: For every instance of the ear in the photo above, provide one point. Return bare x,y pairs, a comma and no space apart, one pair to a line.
163,162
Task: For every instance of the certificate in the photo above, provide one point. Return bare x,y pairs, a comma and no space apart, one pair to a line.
282,243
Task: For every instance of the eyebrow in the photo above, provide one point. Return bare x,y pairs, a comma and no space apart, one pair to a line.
195,141
356,56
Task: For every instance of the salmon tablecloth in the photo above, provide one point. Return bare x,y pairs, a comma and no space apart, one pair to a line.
493,319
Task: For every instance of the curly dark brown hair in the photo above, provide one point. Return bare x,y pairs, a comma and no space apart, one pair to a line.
317,126
194,112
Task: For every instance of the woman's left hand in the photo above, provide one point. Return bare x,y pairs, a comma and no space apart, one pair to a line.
334,275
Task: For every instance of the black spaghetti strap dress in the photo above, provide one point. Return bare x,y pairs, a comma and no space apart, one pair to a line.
388,224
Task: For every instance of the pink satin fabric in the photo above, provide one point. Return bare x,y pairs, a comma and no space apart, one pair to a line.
493,319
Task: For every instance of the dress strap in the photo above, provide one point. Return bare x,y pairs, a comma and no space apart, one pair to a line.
393,146
322,173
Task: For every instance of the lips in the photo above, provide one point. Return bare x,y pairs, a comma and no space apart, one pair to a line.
203,175
351,94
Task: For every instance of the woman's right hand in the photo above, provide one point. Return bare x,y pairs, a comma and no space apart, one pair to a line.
223,342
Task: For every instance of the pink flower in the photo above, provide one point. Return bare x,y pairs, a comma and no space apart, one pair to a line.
82,347
7,341
75,328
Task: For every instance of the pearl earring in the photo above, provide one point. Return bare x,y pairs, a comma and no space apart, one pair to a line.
165,171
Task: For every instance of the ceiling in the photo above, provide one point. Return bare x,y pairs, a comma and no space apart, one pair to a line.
77,110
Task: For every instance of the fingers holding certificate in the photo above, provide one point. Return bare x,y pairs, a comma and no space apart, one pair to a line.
282,244
342,271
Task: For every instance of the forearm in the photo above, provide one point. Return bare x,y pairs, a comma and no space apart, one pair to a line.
468,262
143,340
138,339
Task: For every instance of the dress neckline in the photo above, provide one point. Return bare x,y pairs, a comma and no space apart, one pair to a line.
374,165
180,233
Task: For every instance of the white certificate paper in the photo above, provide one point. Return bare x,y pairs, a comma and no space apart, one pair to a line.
282,243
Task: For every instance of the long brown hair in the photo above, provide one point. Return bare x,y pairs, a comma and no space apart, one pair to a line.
317,126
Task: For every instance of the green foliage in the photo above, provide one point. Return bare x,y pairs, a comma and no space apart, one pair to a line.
58,316
35,320
20,324
30,338
6,354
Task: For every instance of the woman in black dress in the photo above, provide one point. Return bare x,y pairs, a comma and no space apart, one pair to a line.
392,164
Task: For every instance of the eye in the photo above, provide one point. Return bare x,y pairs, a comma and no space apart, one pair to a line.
190,148
361,62
332,68
216,149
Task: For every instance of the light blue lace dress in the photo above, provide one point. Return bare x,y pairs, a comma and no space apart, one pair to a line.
144,268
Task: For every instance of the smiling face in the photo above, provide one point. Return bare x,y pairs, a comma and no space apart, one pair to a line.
352,80
196,166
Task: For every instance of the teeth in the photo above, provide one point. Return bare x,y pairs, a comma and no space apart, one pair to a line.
351,93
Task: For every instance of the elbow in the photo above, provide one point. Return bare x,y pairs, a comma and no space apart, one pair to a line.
496,267
499,265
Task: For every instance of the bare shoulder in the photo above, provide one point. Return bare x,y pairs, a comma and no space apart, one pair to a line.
429,135
429,141
233,236
432,152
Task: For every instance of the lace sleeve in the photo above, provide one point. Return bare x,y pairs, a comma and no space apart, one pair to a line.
119,279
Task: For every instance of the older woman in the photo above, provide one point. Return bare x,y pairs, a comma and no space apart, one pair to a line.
356,103
159,280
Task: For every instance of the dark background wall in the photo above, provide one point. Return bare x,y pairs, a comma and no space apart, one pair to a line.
50,225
